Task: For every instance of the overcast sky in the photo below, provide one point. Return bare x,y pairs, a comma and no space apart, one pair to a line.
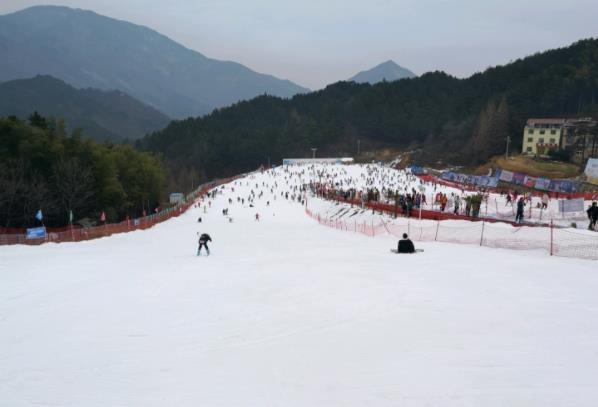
317,42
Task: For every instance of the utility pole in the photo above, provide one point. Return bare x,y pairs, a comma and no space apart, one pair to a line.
313,152
507,152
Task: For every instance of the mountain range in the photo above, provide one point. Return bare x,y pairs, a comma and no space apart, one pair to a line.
387,71
444,118
103,115
88,50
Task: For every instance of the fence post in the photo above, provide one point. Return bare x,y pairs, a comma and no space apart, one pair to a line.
437,226
482,237
551,237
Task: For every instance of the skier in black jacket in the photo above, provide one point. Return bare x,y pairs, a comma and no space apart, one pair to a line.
593,215
405,245
203,242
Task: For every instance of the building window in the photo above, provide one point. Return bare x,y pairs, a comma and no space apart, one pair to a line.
552,141
530,131
540,141
530,139
529,149
542,131
552,131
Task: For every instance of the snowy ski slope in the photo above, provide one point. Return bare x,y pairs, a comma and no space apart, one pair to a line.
286,312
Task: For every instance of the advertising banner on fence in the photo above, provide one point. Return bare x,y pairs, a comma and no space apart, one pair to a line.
485,181
564,186
506,176
592,170
571,205
542,184
35,233
417,170
518,178
529,182
481,181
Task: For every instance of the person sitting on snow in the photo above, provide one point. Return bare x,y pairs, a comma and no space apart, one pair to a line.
405,245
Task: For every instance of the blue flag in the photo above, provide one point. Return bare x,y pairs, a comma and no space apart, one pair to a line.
39,215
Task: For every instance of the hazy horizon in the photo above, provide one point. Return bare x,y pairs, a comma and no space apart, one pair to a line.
314,44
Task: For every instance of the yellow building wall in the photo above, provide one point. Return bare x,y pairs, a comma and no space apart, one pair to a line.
531,139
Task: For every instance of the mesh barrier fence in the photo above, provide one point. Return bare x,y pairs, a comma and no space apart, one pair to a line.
556,241
72,234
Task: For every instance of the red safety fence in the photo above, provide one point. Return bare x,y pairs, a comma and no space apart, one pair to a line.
556,241
72,234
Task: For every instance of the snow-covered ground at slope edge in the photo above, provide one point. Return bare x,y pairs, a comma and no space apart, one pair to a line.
286,312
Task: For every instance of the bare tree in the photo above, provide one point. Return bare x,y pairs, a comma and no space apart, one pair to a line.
12,188
74,184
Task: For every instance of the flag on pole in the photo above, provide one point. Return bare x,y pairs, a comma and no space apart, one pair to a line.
103,216
39,216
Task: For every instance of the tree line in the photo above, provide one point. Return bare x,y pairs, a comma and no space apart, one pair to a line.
457,121
42,167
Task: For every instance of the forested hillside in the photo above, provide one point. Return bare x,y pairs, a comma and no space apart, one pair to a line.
103,115
461,121
44,168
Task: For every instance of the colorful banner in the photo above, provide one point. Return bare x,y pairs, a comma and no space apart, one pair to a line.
529,181
542,184
518,178
35,233
417,170
481,181
564,186
506,176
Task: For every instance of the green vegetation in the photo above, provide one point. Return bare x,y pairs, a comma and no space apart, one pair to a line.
536,167
458,121
41,167
103,115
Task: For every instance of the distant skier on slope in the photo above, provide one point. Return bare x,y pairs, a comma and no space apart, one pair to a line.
203,242
593,215
520,208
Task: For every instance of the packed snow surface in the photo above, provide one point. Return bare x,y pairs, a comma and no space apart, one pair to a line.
286,312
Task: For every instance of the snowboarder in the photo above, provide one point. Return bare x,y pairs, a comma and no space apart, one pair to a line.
257,217
203,242
593,215
405,245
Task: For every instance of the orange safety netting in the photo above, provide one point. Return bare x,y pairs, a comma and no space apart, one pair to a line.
556,241
72,234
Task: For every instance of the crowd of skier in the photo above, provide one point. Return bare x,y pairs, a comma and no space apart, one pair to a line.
373,184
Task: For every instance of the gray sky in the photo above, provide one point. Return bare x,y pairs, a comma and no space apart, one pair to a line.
317,42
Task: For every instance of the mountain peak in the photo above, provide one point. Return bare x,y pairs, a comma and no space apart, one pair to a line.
86,49
388,71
